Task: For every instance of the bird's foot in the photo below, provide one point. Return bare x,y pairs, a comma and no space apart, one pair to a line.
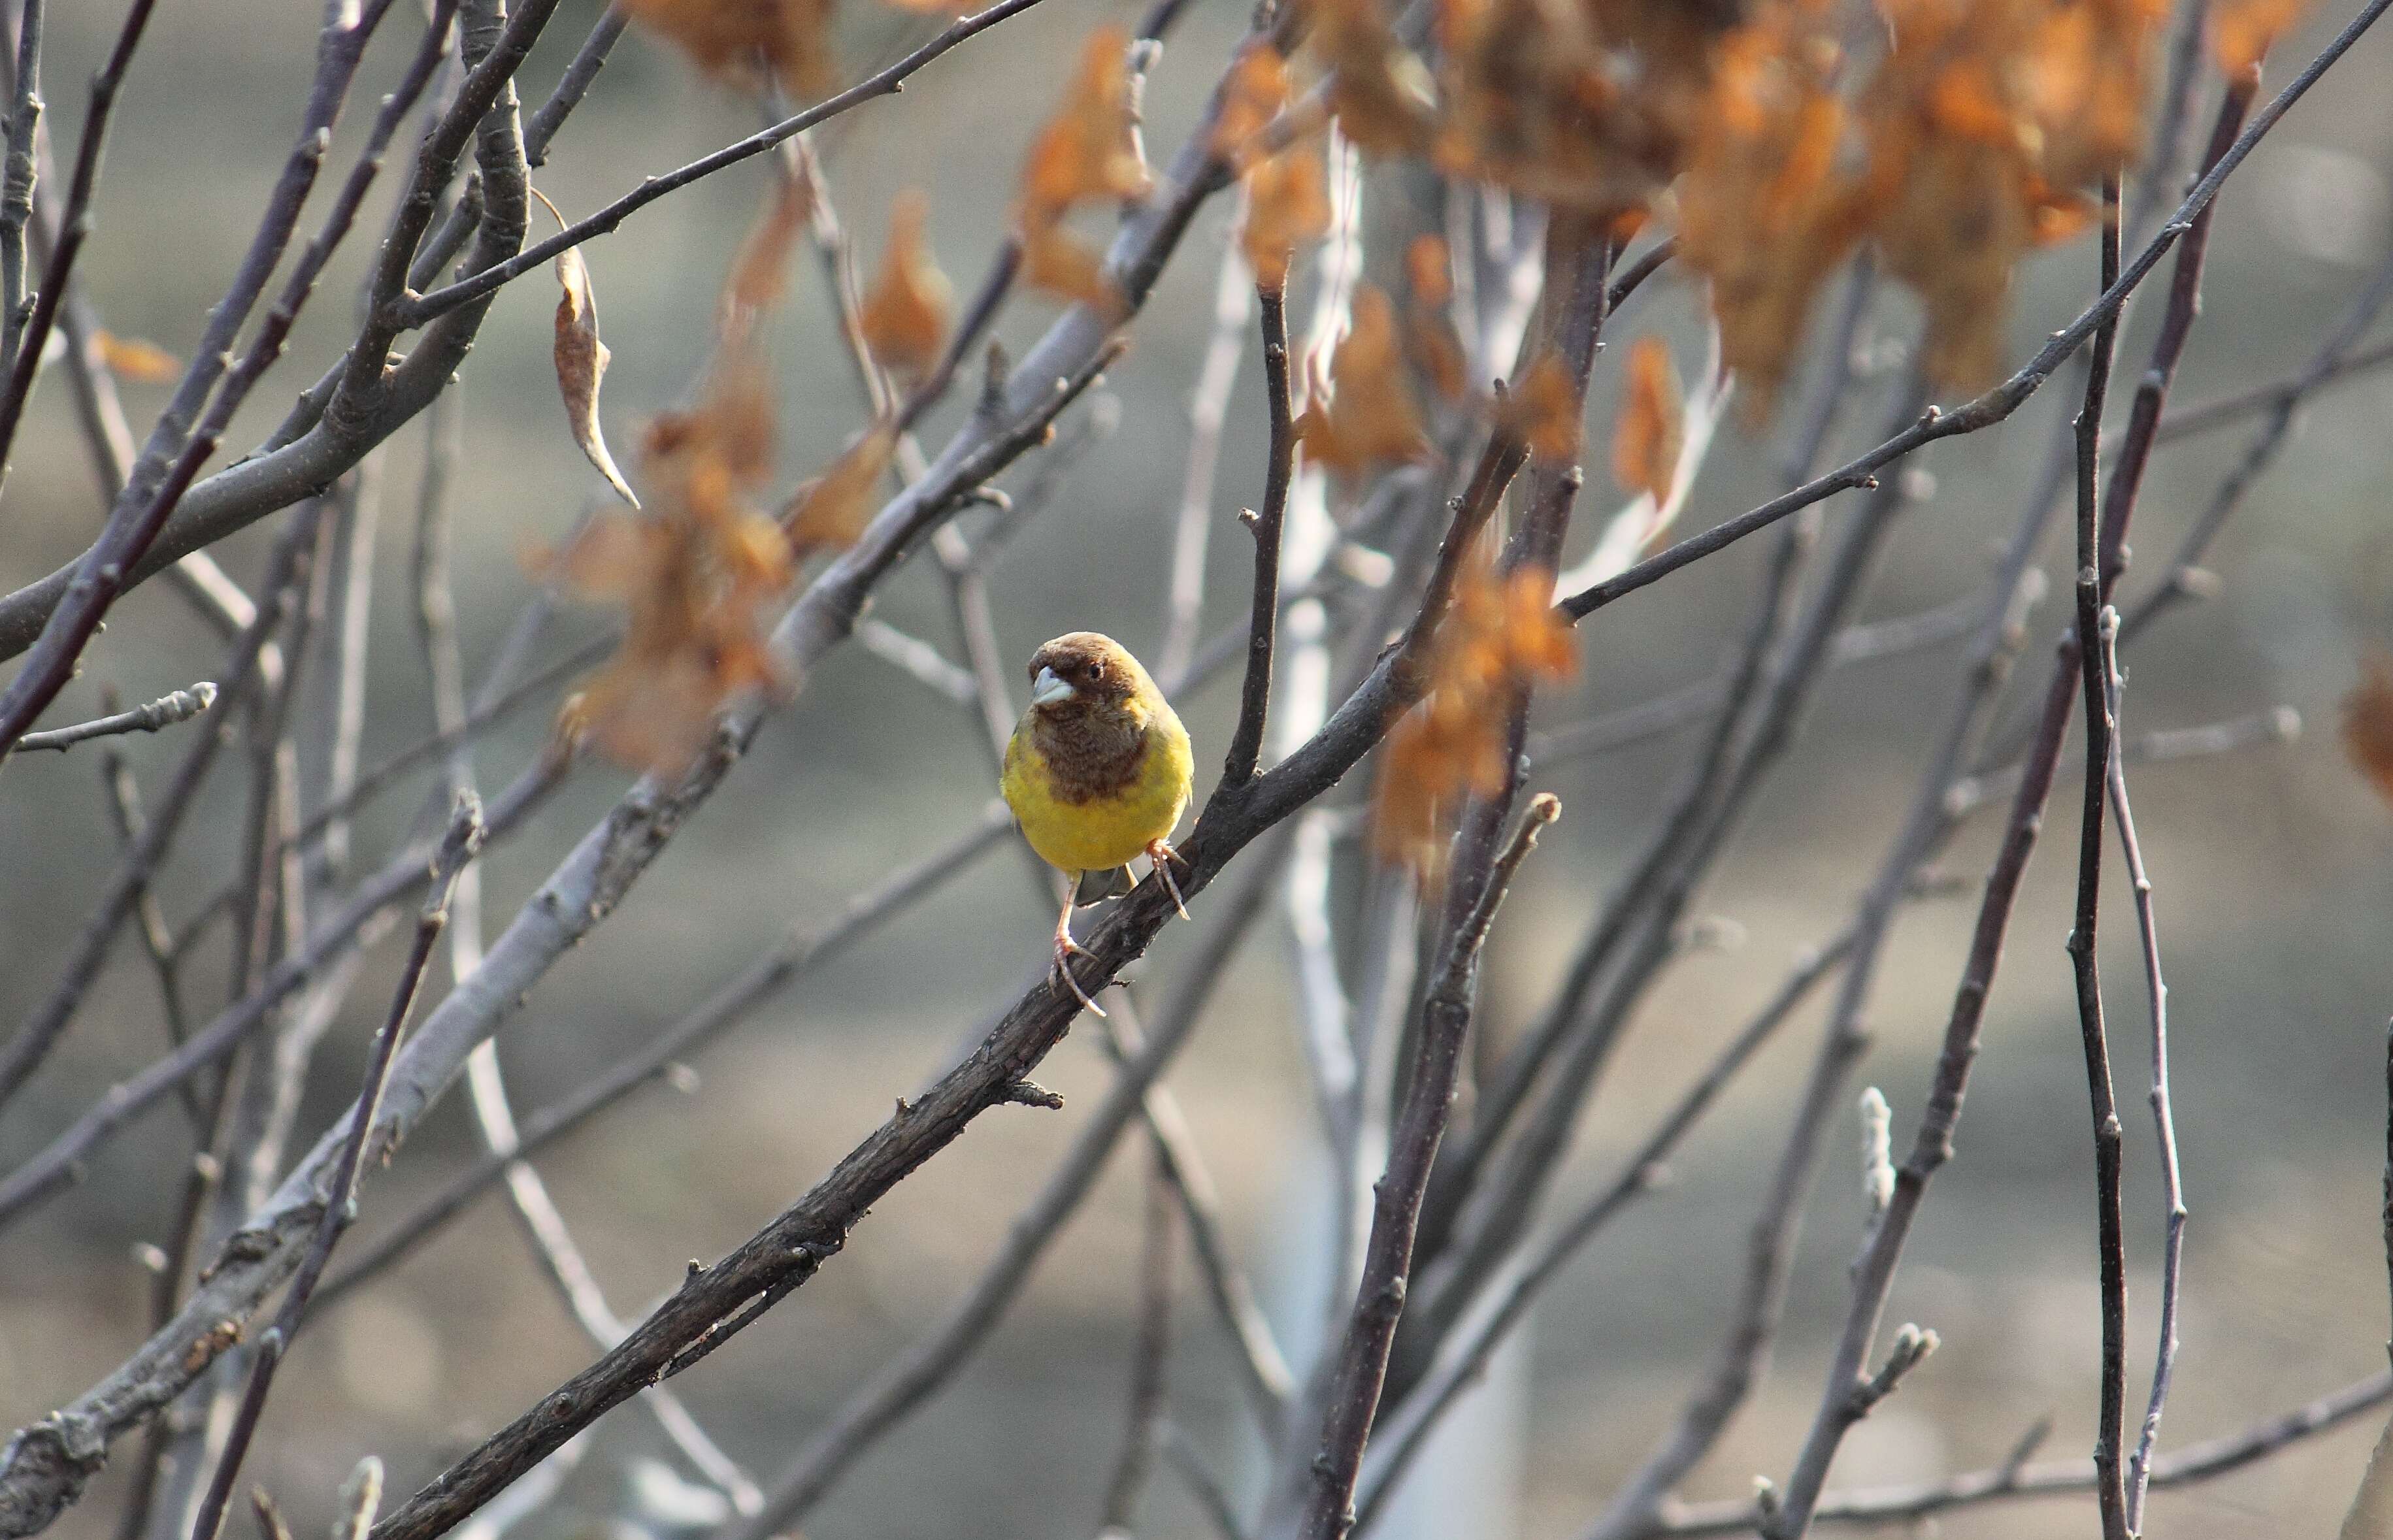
1163,854
1061,972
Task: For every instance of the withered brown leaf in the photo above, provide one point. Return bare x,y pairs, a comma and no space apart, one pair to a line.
1501,637
760,271
830,512
136,359
1088,150
2242,31
2368,722
1543,412
1646,438
727,38
581,364
1287,206
904,315
1369,417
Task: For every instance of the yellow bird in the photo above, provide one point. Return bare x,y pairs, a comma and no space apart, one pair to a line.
1097,773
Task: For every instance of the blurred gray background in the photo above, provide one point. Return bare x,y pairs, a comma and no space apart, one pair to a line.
2274,868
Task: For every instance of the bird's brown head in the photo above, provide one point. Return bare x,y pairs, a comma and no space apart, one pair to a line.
1083,670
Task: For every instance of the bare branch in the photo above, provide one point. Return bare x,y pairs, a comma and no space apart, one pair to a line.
339,1203
2110,1242
413,311
1362,1362
168,710
2015,1480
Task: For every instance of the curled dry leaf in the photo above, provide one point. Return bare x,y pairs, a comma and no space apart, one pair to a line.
136,359
904,316
1645,441
2368,723
1981,121
727,38
1430,337
1587,106
1369,417
581,364
1500,639
1287,198
760,272
2242,31
1383,95
1543,411
1087,152
1763,212
1287,206
1252,95
701,570
830,512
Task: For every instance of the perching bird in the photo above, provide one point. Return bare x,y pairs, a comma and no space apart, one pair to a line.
1097,773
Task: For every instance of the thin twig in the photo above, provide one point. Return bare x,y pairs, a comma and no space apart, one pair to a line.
16,184
165,712
1445,1013
1873,1272
2015,1480
1150,1359
789,961
411,311
1209,408
27,335
1261,1366
339,1204
176,447
917,1374
2109,1238
140,863
2139,1464
1465,1357
1279,466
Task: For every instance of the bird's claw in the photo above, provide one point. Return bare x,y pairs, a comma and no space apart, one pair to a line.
1066,950
1163,854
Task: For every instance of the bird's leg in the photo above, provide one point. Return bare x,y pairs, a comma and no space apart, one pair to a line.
1065,946
1163,854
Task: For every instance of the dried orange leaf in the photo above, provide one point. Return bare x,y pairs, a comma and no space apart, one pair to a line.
1431,274
1543,411
581,364
1088,150
2368,723
1645,440
905,317
1369,417
1500,639
829,513
2242,31
1287,206
727,38
133,359
760,273
1251,97
1054,260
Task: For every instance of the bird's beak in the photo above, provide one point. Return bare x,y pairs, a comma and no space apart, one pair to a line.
1049,688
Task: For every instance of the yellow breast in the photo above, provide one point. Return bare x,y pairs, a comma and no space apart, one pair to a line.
1106,830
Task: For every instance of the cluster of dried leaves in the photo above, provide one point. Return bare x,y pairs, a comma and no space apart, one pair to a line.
1087,155
701,570
1953,136
1500,639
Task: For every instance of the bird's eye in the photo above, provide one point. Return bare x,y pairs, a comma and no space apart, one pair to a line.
1096,670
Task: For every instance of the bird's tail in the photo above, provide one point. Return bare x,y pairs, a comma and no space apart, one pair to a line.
1095,887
